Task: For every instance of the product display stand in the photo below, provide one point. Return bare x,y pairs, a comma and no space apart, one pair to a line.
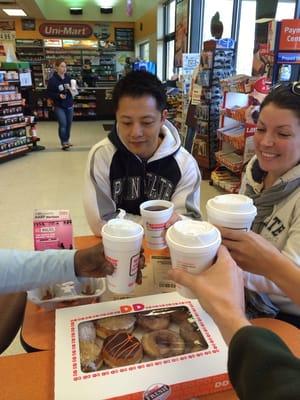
237,127
217,60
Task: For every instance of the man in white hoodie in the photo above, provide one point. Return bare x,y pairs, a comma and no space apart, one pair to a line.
141,159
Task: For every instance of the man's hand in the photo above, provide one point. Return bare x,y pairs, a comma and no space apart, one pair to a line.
91,262
220,291
250,251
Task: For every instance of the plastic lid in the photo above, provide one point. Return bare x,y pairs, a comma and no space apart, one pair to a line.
193,233
122,228
237,203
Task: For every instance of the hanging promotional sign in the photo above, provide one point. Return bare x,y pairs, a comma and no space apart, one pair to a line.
290,34
65,30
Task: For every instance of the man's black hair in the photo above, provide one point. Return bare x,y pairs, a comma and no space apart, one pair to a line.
138,84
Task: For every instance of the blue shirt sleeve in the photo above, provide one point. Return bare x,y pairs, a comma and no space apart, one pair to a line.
26,270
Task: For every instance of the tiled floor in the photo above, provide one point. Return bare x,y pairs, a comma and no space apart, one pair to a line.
50,179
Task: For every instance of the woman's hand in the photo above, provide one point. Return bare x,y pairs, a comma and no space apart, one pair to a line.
250,251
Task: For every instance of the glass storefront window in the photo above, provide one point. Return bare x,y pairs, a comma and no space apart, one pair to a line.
144,51
170,59
285,10
171,17
246,37
225,9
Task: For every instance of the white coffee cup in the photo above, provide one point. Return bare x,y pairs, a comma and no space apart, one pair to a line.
73,84
122,241
193,246
235,211
154,221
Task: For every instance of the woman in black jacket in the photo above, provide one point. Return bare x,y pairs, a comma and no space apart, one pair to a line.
59,86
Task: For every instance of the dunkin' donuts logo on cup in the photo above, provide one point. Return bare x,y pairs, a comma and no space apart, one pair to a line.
155,227
134,264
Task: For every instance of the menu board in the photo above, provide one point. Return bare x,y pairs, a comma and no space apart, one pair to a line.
124,38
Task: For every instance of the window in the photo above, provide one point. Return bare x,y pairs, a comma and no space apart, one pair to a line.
285,10
225,9
170,59
246,37
170,17
144,51
166,62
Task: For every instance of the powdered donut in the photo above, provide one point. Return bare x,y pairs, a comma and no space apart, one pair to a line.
110,325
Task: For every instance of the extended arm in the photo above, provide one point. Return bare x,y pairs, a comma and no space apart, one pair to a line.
261,366
25,270
258,256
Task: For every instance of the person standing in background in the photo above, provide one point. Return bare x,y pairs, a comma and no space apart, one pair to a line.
59,86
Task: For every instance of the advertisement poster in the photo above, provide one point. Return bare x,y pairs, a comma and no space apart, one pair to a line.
181,31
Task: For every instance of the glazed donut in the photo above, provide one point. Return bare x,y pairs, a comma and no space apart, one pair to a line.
180,314
87,331
192,335
122,349
162,344
153,322
110,325
90,355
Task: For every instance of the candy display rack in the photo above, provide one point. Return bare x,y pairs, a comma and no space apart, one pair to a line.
217,60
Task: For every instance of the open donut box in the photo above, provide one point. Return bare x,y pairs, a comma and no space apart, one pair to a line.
193,372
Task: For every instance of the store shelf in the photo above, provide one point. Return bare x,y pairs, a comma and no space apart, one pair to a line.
13,138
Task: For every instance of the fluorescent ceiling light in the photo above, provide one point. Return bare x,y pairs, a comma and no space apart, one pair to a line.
14,12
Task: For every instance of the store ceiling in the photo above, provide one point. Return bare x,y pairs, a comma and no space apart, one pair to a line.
59,9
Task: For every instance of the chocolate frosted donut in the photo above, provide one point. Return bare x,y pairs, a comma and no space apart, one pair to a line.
154,322
110,325
180,314
121,349
192,335
162,344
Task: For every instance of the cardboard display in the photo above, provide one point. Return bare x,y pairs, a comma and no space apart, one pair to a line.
52,229
176,377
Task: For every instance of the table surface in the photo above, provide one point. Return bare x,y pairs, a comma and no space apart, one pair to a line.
36,370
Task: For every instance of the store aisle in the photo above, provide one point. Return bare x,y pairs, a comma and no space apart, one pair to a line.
50,179
46,179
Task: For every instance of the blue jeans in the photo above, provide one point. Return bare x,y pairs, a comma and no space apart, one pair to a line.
64,117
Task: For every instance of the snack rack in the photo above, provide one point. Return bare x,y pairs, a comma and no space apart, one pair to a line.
217,61
235,134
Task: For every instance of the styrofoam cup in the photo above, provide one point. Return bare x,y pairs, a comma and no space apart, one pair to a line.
235,211
193,246
122,242
154,222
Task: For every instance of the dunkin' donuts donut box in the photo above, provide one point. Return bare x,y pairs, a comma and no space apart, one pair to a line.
200,368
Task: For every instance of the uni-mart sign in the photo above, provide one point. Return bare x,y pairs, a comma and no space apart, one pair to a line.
65,30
